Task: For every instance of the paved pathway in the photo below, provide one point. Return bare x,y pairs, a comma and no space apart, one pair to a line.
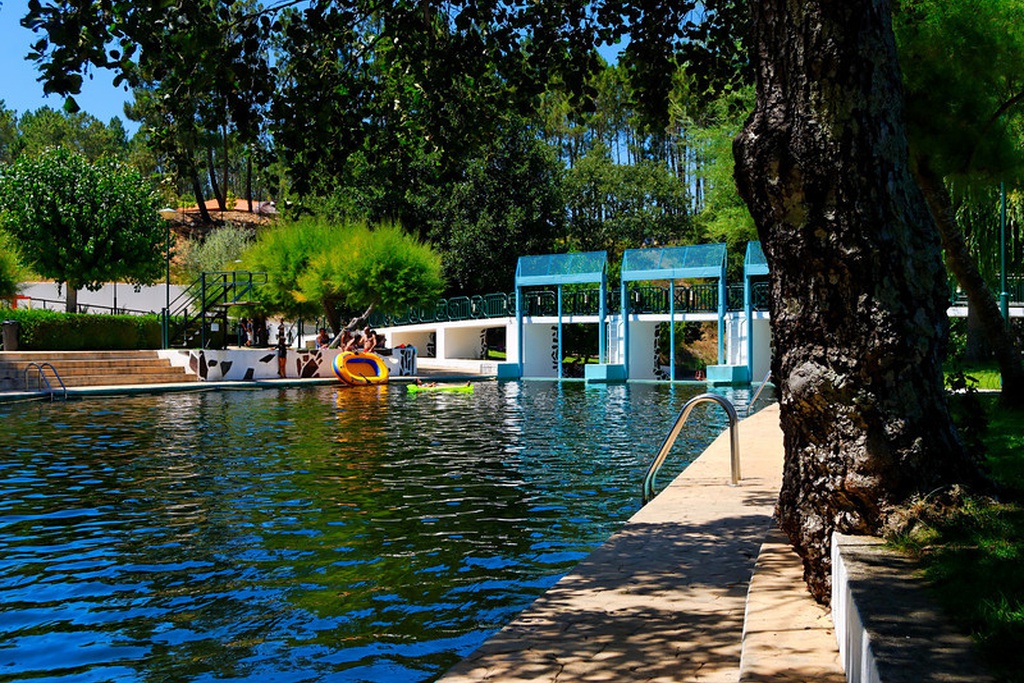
664,599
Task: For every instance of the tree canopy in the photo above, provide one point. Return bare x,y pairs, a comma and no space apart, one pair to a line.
964,78
11,270
314,266
82,223
963,67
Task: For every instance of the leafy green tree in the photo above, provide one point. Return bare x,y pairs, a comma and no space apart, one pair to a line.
78,132
284,252
10,143
12,273
506,203
723,216
81,223
963,65
381,268
617,206
218,252
314,266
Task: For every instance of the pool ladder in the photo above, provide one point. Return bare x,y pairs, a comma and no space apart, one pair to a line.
764,383
42,379
734,438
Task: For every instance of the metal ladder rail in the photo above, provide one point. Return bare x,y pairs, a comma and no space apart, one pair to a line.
659,460
40,367
764,382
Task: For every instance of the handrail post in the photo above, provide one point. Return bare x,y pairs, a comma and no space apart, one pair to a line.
202,315
42,376
734,441
750,406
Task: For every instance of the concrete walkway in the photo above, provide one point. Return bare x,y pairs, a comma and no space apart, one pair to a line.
665,599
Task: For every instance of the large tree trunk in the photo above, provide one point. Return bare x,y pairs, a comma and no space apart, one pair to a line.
976,348
212,171
71,300
248,179
979,296
197,190
858,288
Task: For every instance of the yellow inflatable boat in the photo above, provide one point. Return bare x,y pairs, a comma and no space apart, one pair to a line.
359,368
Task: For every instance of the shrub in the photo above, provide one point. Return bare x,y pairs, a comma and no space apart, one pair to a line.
53,331
218,252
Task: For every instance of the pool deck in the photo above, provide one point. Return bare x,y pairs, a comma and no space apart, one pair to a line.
7,396
697,586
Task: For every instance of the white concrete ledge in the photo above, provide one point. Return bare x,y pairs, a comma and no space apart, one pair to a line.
888,627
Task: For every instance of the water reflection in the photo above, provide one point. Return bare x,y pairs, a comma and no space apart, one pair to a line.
317,534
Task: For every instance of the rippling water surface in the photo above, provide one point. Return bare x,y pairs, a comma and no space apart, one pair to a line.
315,534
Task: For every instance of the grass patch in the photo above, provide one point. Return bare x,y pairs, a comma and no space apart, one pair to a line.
985,375
972,547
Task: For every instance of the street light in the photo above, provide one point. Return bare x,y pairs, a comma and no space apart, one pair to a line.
1004,296
167,214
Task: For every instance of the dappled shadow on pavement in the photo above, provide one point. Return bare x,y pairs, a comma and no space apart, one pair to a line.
658,602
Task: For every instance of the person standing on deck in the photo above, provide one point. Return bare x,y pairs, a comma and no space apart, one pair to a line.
282,351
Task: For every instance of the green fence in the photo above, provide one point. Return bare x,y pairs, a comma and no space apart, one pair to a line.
652,299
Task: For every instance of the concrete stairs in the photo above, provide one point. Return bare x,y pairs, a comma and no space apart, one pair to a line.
88,369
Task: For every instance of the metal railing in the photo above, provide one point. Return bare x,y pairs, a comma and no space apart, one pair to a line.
734,441
764,383
189,315
1014,291
650,299
60,306
41,378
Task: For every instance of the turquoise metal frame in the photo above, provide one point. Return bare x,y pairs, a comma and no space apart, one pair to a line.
674,263
562,269
754,265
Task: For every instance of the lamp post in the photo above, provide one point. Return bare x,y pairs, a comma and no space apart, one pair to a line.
1004,296
167,213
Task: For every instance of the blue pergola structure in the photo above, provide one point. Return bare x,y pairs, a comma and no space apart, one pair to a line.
559,270
754,265
705,261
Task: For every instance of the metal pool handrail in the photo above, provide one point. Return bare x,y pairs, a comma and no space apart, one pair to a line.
42,375
750,406
734,438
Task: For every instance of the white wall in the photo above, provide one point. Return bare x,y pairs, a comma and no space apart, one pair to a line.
641,349
736,343
460,342
149,299
541,354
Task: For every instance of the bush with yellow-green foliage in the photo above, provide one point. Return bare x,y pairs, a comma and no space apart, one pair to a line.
316,266
11,270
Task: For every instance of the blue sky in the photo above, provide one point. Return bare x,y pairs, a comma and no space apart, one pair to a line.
19,88
21,92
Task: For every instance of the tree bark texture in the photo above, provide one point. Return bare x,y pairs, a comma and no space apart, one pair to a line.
963,266
197,190
857,284
212,172
71,300
976,348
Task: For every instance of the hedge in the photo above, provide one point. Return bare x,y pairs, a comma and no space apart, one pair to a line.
42,330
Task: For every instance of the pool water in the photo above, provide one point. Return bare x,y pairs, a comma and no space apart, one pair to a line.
312,534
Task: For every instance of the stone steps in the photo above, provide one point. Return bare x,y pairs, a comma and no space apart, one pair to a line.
89,368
